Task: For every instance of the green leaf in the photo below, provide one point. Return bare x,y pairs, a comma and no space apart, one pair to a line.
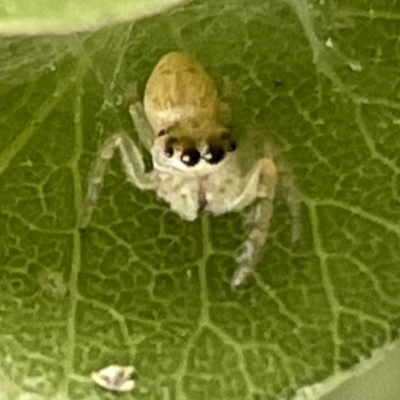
140,286
47,16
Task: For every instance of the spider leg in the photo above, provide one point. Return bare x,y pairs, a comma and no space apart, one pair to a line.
132,163
138,115
143,128
257,223
293,200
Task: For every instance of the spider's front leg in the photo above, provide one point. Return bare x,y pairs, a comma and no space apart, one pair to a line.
132,163
257,221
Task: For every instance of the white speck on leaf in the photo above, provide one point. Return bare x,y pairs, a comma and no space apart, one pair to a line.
115,378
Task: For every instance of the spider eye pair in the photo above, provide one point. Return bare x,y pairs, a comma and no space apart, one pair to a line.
214,155
191,156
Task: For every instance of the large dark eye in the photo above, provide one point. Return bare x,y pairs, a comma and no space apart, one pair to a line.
214,155
190,157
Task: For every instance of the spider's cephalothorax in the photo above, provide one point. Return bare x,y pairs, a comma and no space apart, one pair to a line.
184,124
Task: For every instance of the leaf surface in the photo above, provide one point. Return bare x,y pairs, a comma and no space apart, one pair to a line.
140,286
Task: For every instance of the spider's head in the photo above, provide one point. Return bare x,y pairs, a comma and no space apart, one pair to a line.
196,150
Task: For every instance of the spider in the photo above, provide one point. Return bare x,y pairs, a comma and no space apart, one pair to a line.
183,122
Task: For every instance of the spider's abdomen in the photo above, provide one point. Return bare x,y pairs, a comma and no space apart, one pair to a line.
179,89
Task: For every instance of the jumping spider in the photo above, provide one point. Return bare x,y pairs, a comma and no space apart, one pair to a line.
184,125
